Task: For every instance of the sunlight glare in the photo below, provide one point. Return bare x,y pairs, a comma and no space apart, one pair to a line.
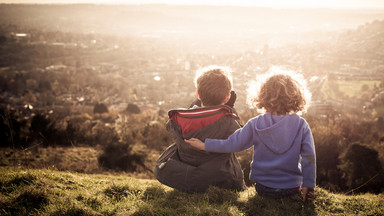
259,3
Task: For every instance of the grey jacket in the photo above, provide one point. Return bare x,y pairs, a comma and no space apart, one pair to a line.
187,169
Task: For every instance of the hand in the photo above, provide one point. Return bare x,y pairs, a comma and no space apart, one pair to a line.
196,143
232,99
308,193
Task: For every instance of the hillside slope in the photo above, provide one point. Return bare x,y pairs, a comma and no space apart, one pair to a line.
50,192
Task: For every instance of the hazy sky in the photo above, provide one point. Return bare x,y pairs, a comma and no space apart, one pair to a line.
262,3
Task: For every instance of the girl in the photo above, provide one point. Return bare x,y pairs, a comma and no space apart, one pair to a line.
284,160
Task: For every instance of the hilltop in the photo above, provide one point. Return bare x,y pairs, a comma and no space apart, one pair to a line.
50,192
57,63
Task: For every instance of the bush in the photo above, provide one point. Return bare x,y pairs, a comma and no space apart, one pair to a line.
156,136
100,108
12,128
133,108
362,169
332,137
119,157
103,134
43,129
79,129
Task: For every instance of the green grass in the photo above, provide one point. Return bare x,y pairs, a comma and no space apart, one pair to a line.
51,192
354,87
351,88
79,159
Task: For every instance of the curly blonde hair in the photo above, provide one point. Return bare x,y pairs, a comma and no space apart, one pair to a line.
282,94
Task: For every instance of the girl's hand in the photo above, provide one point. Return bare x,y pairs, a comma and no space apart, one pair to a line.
196,143
308,193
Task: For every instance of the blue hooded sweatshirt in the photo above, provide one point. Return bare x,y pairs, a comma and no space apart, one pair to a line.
283,150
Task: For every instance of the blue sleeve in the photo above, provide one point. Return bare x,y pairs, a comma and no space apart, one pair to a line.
240,140
308,161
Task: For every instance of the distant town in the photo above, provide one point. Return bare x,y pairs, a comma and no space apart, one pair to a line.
56,67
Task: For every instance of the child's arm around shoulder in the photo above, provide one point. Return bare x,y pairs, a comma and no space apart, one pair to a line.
240,140
196,143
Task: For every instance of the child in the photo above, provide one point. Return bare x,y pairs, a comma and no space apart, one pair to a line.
187,169
284,158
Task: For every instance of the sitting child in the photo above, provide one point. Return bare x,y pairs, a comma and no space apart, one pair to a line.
190,170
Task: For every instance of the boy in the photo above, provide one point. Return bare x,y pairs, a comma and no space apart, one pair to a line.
188,169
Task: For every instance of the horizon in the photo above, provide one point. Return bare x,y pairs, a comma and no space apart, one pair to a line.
281,4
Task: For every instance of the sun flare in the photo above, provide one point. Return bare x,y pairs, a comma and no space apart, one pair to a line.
352,4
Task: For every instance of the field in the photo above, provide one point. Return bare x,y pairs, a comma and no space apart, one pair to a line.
51,192
74,159
79,159
333,89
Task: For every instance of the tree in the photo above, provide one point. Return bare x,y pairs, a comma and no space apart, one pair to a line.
11,129
133,108
3,39
380,123
44,85
362,169
3,83
328,152
120,157
100,108
42,128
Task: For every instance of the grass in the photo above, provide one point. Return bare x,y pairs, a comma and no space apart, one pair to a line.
77,159
352,88
52,192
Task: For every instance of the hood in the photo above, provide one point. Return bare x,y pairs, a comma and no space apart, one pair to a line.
191,120
278,132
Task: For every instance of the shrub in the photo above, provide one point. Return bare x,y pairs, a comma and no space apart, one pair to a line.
133,108
362,169
43,129
12,128
328,149
5,130
100,108
79,129
156,136
380,123
119,156
103,134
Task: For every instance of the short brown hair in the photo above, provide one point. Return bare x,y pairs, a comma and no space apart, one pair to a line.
282,94
213,85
